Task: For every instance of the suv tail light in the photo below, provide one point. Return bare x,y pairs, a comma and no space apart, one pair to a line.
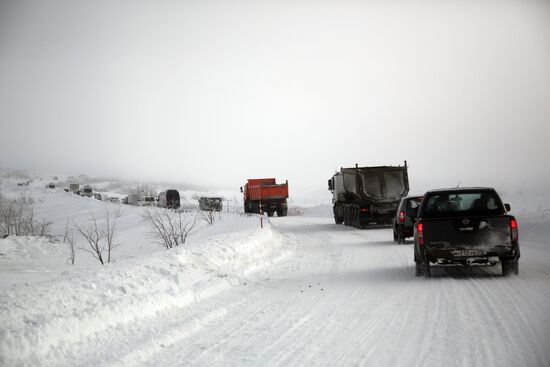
420,233
401,216
363,210
514,229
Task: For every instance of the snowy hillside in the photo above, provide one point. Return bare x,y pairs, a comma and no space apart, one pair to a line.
300,291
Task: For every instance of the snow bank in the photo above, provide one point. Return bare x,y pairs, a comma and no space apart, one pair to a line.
42,321
27,248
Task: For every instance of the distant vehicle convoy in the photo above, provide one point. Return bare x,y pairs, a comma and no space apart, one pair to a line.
457,226
465,226
169,199
210,203
264,195
367,195
405,218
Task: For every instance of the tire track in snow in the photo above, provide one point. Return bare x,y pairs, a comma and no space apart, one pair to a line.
373,311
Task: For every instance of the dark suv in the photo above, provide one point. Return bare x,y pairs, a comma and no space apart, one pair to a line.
465,226
405,217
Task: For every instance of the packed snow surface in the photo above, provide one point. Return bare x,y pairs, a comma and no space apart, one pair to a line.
301,291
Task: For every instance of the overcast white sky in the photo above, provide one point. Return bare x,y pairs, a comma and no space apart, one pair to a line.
213,92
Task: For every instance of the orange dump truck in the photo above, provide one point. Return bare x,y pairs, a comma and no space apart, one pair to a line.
266,194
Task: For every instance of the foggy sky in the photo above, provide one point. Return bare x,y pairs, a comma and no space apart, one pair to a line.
214,92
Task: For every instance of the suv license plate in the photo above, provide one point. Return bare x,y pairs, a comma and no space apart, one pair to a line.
468,253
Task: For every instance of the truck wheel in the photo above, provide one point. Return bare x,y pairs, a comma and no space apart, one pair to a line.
395,236
337,218
356,220
422,269
400,238
509,267
419,269
427,270
346,222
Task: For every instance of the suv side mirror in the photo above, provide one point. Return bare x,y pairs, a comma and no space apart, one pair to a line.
507,207
241,189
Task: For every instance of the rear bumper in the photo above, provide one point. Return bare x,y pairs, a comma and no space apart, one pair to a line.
406,230
471,255
370,217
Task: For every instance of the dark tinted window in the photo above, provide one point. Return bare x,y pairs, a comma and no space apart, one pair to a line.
462,203
412,206
172,195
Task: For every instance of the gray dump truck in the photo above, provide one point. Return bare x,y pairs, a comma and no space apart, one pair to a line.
367,195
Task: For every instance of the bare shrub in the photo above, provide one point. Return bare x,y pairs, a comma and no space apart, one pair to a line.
68,238
145,190
94,236
17,218
111,217
71,243
171,227
210,215
100,236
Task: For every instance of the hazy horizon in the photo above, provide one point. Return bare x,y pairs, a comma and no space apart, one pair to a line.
213,93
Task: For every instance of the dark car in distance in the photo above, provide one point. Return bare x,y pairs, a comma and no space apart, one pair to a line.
465,226
405,217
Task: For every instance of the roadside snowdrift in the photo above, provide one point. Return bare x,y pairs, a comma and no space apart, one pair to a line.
39,322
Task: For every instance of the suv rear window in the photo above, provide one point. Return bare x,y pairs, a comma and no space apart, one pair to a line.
414,203
462,203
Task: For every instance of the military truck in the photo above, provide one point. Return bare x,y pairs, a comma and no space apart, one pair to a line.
367,195
210,203
169,199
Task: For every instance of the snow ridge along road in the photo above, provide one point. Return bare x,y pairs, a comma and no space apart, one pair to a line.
349,297
48,322
303,291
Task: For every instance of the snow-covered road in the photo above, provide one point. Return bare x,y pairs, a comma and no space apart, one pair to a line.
349,297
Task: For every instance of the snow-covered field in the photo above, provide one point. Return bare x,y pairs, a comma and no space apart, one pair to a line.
300,291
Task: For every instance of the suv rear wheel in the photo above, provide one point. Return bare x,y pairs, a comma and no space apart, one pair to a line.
400,238
509,267
422,269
